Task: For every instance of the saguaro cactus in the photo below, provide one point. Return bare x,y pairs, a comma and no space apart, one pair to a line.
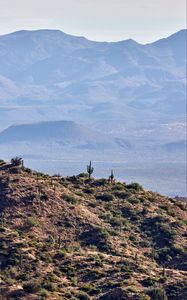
111,177
90,169
17,161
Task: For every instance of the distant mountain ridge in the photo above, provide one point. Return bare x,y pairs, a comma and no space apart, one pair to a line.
48,67
63,133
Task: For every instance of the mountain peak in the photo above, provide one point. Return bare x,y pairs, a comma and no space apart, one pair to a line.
179,36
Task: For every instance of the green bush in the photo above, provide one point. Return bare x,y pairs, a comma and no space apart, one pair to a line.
160,230
122,195
83,175
88,287
70,198
89,191
96,236
44,293
100,182
157,293
32,222
105,197
150,281
50,286
135,186
118,186
29,171
115,221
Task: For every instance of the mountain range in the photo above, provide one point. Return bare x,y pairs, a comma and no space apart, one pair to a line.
49,73
114,95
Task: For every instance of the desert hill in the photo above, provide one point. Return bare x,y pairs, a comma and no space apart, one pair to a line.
81,238
63,133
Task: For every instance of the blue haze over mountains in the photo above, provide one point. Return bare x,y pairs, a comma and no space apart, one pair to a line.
65,100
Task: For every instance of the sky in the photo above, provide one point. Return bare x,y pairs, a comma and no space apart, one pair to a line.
100,20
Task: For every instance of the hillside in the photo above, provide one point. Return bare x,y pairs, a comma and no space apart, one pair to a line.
81,238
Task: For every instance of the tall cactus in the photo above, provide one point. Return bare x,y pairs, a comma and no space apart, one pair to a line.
17,161
111,177
90,169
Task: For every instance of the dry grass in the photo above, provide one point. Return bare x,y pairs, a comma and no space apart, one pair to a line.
71,244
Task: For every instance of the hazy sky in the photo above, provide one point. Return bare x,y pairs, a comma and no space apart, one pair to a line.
110,20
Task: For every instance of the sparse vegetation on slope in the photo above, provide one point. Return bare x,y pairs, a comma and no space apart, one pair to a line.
84,238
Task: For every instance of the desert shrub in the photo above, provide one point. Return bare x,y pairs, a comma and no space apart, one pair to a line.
115,221
106,216
100,182
96,273
79,193
96,236
23,277
177,291
83,175
160,230
128,211
40,174
118,186
166,254
70,198
83,296
31,222
29,171
134,200
157,293
132,289
177,250
50,286
88,287
168,209
73,280
44,293
44,256
31,287
144,297
113,284
180,204
62,253
135,186
105,197
167,232
74,179
122,195
89,190
150,281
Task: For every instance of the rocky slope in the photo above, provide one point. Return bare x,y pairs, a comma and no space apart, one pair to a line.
75,238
